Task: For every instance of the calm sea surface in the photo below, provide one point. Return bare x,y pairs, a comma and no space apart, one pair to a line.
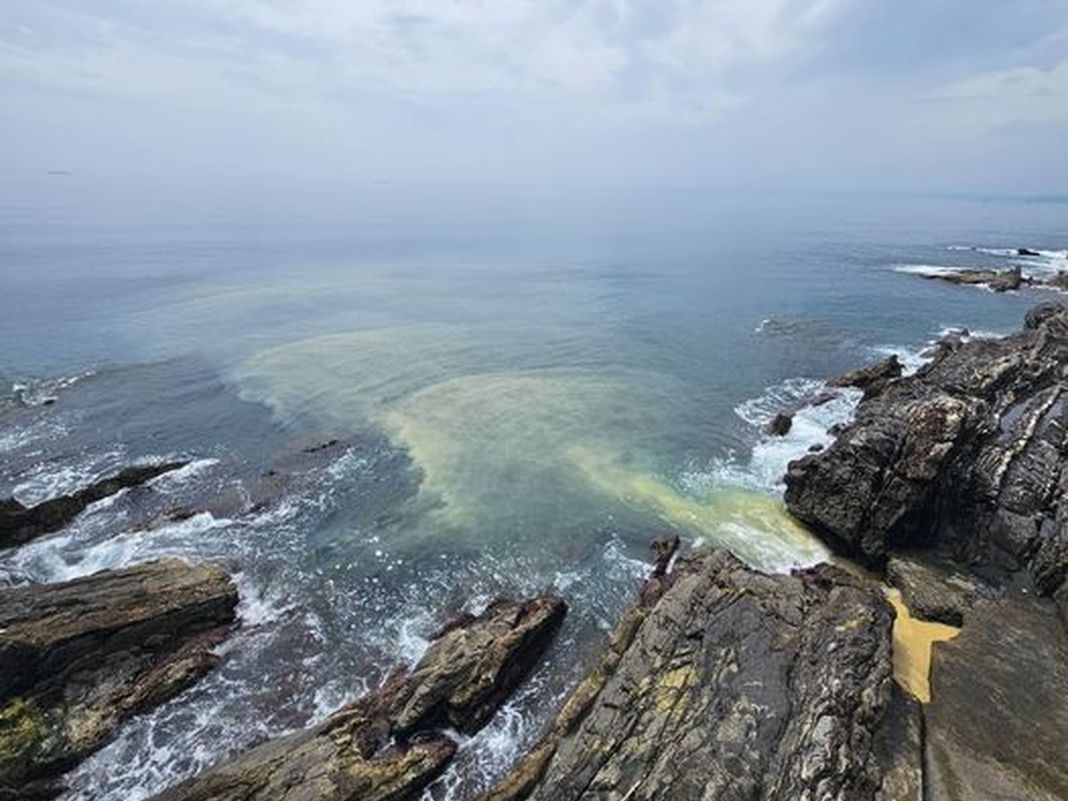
524,389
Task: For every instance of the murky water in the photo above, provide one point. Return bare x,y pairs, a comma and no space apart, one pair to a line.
523,394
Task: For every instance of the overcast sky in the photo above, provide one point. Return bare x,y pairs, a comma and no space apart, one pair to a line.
925,95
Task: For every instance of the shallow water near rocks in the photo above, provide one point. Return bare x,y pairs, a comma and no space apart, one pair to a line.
524,390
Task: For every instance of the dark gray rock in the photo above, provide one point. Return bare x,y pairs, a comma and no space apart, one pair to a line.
780,424
20,524
387,746
733,685
935,589
77,658
965,456
997,724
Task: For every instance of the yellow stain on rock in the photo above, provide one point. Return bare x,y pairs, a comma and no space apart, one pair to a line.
912,640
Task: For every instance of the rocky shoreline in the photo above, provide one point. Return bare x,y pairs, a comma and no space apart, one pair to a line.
721,682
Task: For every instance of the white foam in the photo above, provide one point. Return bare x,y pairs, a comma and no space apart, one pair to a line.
911,358
927,270
771,454
41,391
46,481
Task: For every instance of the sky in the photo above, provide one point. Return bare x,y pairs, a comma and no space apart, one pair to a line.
828,95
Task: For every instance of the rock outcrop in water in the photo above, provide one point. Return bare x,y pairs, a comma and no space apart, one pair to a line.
388,745
20,524
78,657
731,684
966,457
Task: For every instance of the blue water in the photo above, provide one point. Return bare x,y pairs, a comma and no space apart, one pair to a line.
526,387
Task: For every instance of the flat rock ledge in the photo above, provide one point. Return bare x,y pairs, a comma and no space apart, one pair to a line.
79,657
19,524
389,744
726,683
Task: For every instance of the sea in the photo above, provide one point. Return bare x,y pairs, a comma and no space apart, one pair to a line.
410,400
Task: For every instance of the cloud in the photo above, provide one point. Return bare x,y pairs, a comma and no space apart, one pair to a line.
994,99
664,53
865,92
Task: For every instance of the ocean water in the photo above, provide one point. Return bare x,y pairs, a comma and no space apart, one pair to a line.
525,387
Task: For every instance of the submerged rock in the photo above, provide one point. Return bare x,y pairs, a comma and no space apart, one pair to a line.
387,746
78,657
966,456
732,684
20,524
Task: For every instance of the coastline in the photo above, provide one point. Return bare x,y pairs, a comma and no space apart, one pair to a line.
911,635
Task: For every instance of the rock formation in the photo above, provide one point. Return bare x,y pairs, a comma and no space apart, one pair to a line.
732,684
780,424
965,457
997,280
953,480
388,745
20,524
78,657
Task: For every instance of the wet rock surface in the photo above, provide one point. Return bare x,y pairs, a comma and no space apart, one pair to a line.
780,424
20,524
388,745
732,684
78,657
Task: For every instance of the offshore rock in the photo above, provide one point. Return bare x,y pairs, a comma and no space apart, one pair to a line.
20,524
997,724
78,657
734,685
996,280
387,745
780,424
966,456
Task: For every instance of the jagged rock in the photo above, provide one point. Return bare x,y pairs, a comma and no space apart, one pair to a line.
997,724
78,657
474,663
780,424
871,376
966,455
383,747
734,684
1027,252
20,524
935,589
